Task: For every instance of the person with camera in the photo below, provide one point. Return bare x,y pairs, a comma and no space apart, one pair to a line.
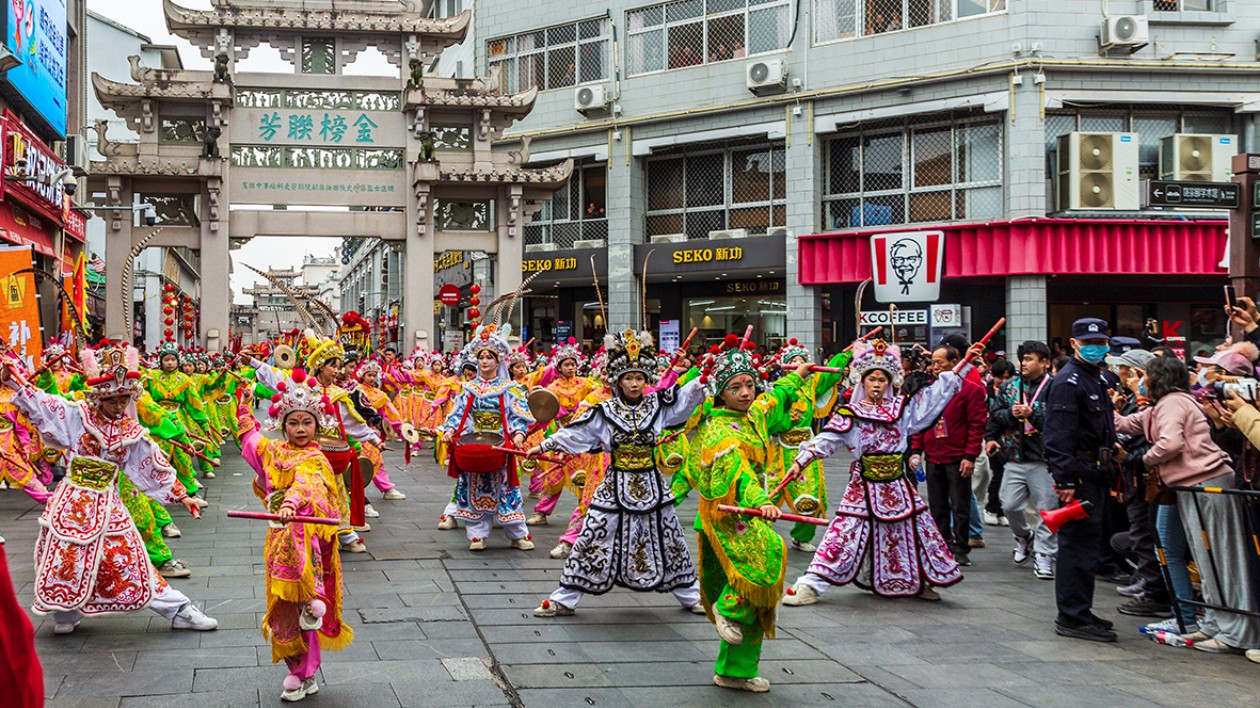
1080,438
1184,454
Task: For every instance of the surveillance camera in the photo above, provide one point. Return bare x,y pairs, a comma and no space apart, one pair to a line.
70,187
150,215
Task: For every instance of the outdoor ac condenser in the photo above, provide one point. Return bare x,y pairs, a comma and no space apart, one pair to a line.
1098,171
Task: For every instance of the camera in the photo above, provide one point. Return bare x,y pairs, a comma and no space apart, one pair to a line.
150,215
71,186
1245,388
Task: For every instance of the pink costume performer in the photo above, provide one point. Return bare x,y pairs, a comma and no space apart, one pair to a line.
303,581
89,557
882,537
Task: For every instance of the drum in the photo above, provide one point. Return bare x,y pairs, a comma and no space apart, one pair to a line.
578,478
475,453
543,405
806,504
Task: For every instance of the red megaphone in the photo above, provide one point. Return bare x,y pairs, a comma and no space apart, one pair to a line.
1056,519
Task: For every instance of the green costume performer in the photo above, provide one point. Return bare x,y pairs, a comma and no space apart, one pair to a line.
742,558
806,495
177,393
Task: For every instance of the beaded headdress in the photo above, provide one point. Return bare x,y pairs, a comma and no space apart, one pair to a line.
877,354
568,350
110,372
792,350
321,350
627,352
168,347
371,366
730,359
53,351
299,394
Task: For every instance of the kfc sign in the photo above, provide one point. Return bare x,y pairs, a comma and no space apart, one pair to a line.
907,266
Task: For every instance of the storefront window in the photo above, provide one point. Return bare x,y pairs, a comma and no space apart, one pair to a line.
700,193
716,317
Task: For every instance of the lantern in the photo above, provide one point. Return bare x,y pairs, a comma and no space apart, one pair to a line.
474,313
169,288
474,288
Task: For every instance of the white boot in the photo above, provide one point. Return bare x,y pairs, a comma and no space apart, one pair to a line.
446,523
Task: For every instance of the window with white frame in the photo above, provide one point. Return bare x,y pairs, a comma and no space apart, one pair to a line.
553,58
914,173
845,19
576,212
684,33
701,192
1184,5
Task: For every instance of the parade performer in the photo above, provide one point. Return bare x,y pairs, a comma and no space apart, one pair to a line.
630,535
488,489
89,557
56,377
376,399
561,378
882,537
519,368
303,581
807,494
323,358
177,393
18,439
742,559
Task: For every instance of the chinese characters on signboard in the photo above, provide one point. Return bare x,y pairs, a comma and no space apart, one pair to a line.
37,36
331,128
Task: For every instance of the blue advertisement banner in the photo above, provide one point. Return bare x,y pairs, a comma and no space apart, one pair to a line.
36,34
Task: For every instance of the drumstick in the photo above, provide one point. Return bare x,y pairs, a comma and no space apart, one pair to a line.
522,453
276,517
683,348
747,336
825,369
983,340
671,437
866,336
784,484
786,517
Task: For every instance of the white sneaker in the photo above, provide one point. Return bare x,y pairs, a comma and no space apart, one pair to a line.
477,544
362,529
310,686
370,513
562,550
175,569
550,608
806,547
446,523
356,547
990,519
799,595
209,475
171,531
930,594
524,544
65,627
201,503
189,617
394,495
1,540
1003,521
1020,554
537,519
728,629
754,685
1043,566
293,695
1170,625
696,609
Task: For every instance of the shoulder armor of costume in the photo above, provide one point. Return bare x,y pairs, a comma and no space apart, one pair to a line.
841,420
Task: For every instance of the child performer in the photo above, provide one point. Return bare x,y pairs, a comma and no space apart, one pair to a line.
303,583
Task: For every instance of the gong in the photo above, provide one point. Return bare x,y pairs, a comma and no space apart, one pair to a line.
365,468
543,405
481,438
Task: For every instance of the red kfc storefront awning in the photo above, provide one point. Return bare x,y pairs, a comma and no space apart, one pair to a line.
20,227
1035,247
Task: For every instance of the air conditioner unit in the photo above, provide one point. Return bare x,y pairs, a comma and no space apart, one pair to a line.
76,154
1197,157
1124,32
539,247
590,243
590,99
767,76
1098,171
669,238
729,233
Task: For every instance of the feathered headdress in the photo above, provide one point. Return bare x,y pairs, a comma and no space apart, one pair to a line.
877,354
111,372
730,359
300,395
627,352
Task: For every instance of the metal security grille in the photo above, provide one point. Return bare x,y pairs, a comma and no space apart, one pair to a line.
1185,5
697,194
844,19
686,33
552,58
577,212
917,173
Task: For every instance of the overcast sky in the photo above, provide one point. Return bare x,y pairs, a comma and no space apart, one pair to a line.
145,16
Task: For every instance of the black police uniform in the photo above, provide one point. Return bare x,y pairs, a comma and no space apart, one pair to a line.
1079,435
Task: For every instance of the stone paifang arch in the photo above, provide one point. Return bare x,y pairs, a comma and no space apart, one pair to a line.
411,154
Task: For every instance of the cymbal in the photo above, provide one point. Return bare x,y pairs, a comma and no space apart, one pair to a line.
543,405
286,358
409,433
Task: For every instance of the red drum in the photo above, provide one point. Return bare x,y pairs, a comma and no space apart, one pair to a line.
475,453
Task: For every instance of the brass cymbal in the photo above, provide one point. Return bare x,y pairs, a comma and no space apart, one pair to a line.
543,405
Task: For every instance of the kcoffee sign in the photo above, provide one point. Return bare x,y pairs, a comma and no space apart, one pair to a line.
21,146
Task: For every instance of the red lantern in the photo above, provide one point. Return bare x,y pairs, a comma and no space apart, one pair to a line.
168,332
168,321
169,288
474,288
474,313
474,301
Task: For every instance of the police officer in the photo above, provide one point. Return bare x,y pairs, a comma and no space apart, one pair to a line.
1080,435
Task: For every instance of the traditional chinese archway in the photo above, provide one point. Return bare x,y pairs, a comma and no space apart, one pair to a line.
409,155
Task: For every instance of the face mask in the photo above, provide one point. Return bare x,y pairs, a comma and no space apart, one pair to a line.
1142,388
1202,378
1094,353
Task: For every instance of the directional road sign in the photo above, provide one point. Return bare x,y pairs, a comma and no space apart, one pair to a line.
1193,195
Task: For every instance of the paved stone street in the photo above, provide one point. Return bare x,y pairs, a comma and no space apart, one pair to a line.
437,625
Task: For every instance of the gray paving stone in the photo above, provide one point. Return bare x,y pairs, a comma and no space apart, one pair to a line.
93,702
467,668
524,676
125,683
963,698
388,615
227,698
596,697
421,673
454,694
429,649
354,695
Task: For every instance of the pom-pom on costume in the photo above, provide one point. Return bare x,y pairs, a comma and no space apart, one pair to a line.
882,537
